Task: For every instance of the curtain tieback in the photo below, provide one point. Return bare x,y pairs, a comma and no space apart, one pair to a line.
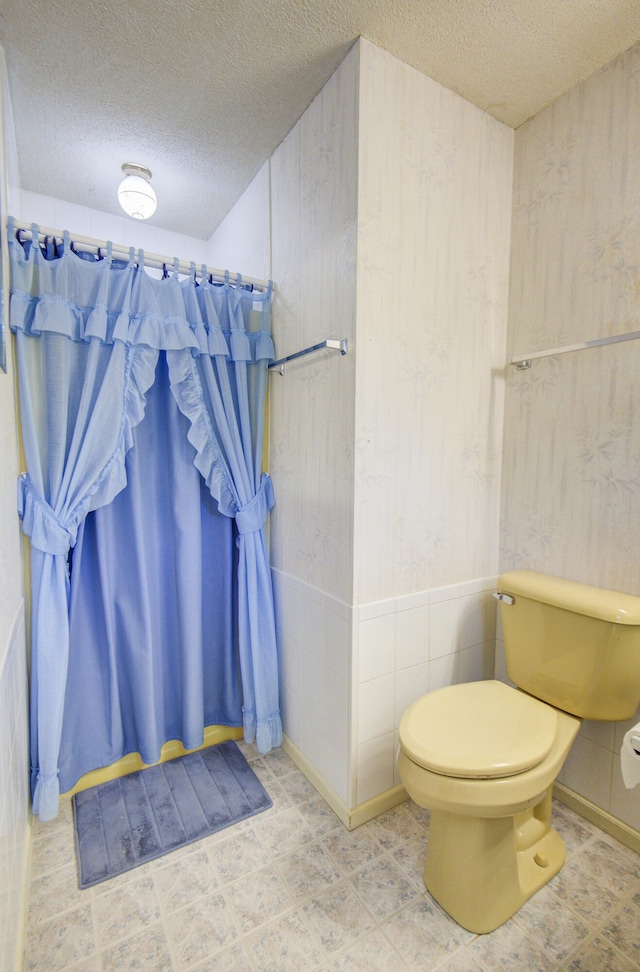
39,521
250,518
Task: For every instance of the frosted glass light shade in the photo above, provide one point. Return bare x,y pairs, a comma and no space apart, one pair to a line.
135,192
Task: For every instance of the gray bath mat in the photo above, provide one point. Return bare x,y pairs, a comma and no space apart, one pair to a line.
129,821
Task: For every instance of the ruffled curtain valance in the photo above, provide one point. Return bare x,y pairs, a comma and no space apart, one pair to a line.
82,297
88,334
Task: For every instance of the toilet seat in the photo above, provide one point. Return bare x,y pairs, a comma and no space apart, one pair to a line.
478,730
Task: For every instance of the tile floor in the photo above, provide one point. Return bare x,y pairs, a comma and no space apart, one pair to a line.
292,889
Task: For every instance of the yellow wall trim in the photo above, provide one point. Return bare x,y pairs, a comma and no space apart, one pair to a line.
23,912
171,750
338,805
351,817
356,816
377,805
596,815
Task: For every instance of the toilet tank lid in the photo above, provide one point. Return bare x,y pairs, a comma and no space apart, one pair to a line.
593,602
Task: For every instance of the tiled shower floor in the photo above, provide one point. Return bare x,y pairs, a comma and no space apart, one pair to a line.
292,889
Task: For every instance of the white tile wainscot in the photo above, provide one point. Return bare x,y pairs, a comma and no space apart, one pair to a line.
348,673
408,646
15,818
314,644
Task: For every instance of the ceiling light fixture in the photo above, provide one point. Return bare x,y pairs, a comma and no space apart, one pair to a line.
135,192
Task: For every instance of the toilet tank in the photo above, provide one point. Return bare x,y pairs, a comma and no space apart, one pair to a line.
571,645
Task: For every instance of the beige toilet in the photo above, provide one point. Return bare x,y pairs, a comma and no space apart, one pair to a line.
483,756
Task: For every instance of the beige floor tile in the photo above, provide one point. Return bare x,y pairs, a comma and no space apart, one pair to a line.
298,787
337,916
279,763
232,959
611,865
284,833
574,830
508,948
55,944
258,898
383,887
90,963
319,817
598,955
238,854
587,894
411,858
309,870
284,945
183,881
346,900
54,891
371,953
126,911
552,924
202,929
352,849
394,827
144,951
423,934
50,851
464,960
623,929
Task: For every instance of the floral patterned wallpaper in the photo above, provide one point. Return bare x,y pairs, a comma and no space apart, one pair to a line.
392,226
433,263
571,464
391,205
313,246
571,467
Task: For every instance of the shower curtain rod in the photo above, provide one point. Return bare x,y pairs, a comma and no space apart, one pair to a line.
156,260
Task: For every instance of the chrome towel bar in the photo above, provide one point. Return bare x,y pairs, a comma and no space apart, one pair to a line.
333,345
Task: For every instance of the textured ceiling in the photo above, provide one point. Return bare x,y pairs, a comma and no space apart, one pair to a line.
203,91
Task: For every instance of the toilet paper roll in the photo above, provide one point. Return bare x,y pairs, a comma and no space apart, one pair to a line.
630,757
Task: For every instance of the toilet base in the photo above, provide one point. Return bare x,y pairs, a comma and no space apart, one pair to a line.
482,870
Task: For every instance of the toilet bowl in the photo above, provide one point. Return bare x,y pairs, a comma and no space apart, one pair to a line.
491,844
483,756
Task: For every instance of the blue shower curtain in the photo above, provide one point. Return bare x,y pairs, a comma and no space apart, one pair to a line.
150,573
89,335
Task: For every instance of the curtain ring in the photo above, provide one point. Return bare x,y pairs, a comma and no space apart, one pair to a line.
176,267
132,254
165,272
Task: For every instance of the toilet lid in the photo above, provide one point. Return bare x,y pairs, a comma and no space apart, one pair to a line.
478,730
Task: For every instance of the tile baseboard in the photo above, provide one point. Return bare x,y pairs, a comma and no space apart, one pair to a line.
596,815
351,817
